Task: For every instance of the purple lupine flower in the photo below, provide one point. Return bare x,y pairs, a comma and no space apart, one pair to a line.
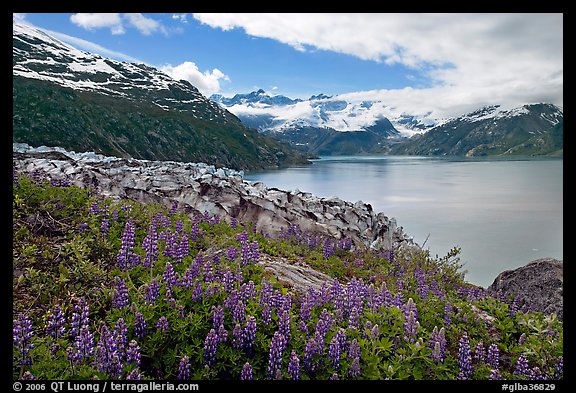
188,278
328,249
447,314
385,293
104,226
80,315
208,272
464,358
232,253
535,374
266,314
521,366
237,336
375,332
494,375
559,368
422,288
245,254
246,373
133,353
197,291
121,336
521,339
72,355
249,334
120,296
323,324
107,358
183,248
493,358
126,258
242,237
514,307
239,312
84,343
228,280
94,208
354,370
277,347
170,243
179,226
311,352
335,348
294,366
438,344
150,246
195,232
354,318
480,352
162,324
284,323
354,350
217,316
222,334
152,292
169,276
28,376
55,326
184,368
334,377
254,253
210,347
248,291
134,375
140,325
21,337
411,323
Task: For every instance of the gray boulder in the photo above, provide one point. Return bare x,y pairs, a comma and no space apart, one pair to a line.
539,284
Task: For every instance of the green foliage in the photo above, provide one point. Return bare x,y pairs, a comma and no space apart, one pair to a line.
61,254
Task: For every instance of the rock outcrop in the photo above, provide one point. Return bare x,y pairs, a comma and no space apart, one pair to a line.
221,191
539,284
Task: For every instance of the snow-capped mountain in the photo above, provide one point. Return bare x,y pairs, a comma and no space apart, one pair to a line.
37,55
535,129
328,125
278,113
80,101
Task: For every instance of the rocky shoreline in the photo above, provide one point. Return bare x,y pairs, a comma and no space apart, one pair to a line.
201,187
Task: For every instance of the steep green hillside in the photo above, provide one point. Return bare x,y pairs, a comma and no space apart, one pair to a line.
535,130
52,115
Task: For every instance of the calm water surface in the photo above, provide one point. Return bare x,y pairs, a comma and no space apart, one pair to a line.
503,213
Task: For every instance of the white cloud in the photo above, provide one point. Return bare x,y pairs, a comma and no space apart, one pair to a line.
91,21
207,82
180,17
117,22
469,59
144,24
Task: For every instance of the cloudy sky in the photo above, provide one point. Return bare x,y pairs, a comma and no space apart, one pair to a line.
447,64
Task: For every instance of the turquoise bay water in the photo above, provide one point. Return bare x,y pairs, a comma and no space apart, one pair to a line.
503,213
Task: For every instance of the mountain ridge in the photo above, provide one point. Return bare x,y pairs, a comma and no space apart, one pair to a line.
328,125
76,100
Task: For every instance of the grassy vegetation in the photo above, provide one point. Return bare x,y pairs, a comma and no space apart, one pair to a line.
107,288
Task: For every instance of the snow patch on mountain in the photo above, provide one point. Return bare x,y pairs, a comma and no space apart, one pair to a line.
322,111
